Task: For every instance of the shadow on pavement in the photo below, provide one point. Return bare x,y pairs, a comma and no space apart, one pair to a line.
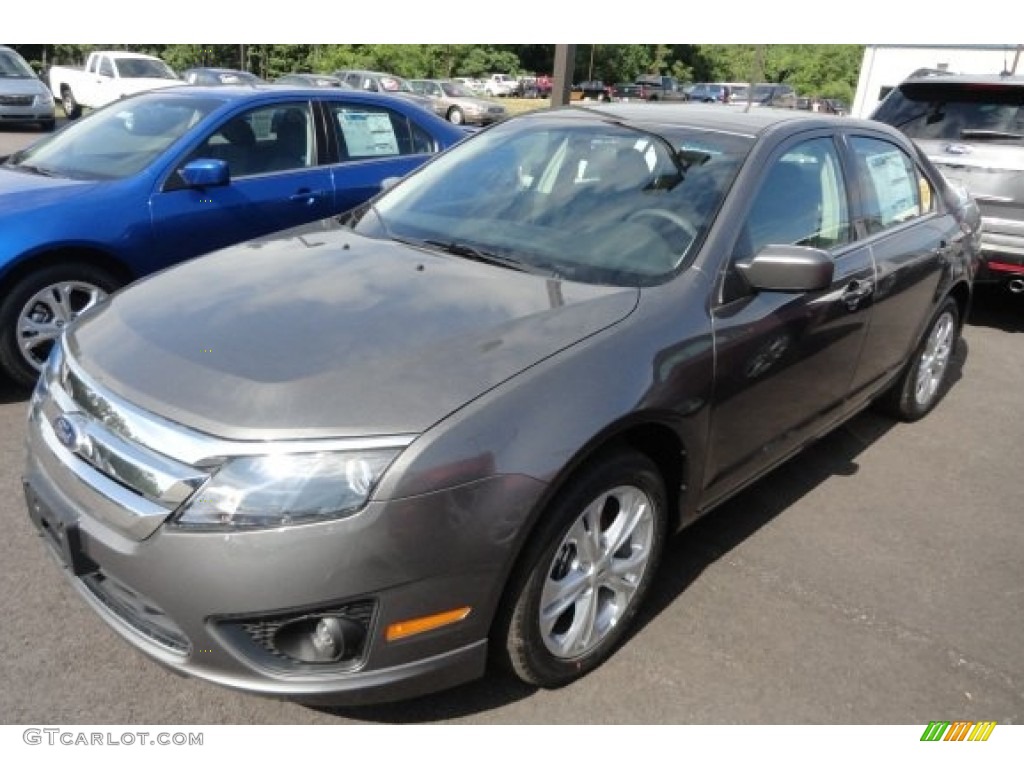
10,393
995,307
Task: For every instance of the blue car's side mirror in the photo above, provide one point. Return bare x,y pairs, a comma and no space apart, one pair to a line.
205,173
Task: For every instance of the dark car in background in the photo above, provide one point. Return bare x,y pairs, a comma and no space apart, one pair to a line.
219,76
353,461
160,177
972,129
710,93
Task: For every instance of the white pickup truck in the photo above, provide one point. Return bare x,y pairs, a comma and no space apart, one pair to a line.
500,85
106,77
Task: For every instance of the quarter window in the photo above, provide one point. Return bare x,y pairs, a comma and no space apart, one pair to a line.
892,190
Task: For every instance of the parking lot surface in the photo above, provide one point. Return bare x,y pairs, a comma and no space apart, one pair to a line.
875,578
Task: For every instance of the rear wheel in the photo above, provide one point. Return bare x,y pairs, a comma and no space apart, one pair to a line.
586,571
38,309
925,379
70,105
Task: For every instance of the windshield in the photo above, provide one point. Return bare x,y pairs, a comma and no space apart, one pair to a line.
116,141
135,68
455,89
931,110
12,65
598,202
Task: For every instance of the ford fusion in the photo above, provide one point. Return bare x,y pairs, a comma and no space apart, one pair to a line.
352,461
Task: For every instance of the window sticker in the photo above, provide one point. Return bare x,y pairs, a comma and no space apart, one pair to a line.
926,193
368,134
894,187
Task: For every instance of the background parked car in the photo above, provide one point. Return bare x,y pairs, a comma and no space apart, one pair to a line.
592,90
384,82
710,92
500,85
24,98
458,104
972,128
219,76
106,77
160,177
311,81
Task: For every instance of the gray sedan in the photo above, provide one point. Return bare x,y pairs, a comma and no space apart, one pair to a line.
24,98
456,103
353,461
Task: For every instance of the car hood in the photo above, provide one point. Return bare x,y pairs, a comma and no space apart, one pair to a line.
21,86
320,332
21,191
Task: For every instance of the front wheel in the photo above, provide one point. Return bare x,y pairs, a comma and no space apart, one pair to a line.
925,379
36,310
586,571
456,116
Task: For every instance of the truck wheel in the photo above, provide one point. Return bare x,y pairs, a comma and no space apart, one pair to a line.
72,108
36,310
585,572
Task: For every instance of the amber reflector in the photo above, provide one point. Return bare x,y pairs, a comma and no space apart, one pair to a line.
401,629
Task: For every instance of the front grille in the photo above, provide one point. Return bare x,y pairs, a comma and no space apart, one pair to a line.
137,611
255,636
16,101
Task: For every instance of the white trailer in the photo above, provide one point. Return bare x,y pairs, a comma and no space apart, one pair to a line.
886,66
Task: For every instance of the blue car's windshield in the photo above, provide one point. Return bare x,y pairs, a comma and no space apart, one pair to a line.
117,141
591,201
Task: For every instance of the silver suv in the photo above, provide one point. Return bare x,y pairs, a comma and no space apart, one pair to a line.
972,128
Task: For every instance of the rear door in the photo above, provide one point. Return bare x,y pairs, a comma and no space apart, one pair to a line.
785,361
901,219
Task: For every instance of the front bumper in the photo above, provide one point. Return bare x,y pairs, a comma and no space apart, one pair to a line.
181,596
10,115
1002,249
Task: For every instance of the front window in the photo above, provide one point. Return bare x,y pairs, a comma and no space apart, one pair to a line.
135,68
595,202
117,141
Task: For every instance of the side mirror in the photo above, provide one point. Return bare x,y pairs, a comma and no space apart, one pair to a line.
205,173
389,182
788,268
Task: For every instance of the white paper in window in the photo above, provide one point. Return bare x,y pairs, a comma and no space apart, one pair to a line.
368,134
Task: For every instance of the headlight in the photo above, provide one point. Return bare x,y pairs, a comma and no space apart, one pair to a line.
44,99
285,489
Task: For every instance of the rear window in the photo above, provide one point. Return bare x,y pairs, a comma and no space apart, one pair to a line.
930,110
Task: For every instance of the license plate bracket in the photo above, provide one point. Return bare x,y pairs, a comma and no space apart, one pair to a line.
59,528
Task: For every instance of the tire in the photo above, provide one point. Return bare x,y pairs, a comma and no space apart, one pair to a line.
47,299
609,493
456,116
71,107
926,377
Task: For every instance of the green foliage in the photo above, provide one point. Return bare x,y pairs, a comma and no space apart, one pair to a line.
814,70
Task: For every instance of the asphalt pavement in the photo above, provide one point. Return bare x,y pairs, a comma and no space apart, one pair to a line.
877,577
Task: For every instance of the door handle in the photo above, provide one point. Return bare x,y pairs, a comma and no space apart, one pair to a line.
307,196
856,292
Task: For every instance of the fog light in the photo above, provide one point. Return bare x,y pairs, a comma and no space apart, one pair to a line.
319,639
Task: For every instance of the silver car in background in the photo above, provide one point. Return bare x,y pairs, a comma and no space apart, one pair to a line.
24,98
458,104
972,128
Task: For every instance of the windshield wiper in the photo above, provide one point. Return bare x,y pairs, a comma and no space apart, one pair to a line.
468,251
29,168
982,133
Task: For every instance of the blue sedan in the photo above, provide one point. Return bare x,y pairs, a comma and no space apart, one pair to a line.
164,176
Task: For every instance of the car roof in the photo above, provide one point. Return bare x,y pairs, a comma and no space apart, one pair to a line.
717,117
243,91
985,79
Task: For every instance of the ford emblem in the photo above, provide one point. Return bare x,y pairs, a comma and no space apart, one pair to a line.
66,432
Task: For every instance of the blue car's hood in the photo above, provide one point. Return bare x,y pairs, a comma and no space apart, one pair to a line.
21,191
